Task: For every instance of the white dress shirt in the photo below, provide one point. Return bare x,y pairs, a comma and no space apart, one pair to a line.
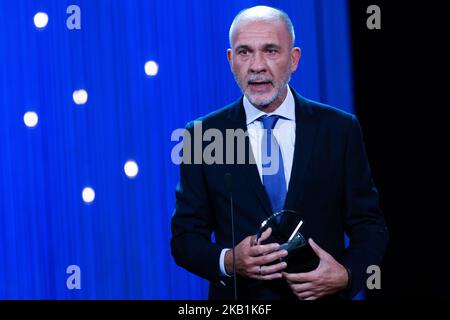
284,132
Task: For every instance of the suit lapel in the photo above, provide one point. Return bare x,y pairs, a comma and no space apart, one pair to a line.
305,135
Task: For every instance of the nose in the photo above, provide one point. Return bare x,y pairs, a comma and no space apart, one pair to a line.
258,63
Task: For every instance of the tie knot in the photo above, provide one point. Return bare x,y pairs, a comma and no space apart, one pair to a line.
269,121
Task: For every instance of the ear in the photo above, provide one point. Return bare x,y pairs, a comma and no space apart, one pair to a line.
295,58
230,56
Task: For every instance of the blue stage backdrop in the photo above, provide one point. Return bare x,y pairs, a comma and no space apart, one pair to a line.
120,240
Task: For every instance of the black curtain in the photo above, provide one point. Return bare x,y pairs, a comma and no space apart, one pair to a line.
401,97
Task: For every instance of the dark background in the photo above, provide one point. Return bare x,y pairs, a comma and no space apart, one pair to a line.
401,91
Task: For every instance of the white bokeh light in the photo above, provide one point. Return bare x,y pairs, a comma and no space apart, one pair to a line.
88,195
151,68
131,168
40,20
30,119
80,96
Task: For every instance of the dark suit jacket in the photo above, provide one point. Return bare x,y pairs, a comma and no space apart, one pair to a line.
330,185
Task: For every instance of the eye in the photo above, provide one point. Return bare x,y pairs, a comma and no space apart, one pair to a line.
243,52
272,51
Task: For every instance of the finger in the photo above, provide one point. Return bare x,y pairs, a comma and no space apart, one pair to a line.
262,273
263,249
269,257
300,277
265,235
311,298
302,287
256,241
305,295
276,268
271,276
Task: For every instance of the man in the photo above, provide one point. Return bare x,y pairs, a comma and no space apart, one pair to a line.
323,173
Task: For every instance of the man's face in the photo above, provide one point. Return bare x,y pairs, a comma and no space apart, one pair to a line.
262,61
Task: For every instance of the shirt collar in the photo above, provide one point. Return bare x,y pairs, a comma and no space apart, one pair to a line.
285,110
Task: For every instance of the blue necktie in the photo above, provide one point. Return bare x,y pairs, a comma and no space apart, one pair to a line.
272,165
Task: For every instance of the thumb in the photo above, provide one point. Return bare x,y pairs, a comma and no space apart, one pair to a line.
318,250
265,235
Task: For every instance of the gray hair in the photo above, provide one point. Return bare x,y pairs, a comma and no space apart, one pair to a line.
263,13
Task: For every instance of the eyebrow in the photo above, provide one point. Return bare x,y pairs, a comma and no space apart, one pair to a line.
271,46
264,47
245,47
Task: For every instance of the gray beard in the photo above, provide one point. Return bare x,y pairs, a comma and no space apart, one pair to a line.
275,96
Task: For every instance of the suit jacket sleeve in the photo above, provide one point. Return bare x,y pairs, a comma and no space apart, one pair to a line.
364,222
193,222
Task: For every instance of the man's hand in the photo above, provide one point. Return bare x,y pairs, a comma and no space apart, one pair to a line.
329,277
252,257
